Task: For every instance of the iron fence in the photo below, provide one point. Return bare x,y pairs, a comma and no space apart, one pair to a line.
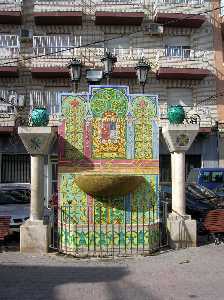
108,240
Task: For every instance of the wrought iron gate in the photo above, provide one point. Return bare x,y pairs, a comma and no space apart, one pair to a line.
103,240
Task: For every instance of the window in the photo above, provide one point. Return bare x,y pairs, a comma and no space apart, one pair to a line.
217,177
54,175
9,95
15,168
118,46
213,176
177,46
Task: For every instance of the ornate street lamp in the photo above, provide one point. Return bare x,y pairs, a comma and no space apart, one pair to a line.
108,60
75,68
142,70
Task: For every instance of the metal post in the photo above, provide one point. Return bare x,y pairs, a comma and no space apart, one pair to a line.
76,84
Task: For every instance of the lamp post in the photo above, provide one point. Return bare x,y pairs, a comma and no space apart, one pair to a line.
109,60
142,70
75,68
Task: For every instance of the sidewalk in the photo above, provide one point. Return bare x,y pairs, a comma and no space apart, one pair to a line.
194,273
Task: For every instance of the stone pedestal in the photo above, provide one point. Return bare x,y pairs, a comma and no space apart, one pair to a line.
34,237
34,234
182,229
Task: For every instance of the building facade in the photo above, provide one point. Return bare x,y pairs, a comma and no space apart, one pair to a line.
178,38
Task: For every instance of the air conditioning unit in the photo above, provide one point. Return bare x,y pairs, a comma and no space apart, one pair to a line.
155,28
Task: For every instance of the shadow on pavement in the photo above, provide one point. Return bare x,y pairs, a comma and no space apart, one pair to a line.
68,283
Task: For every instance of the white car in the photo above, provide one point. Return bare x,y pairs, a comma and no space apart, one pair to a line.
15,203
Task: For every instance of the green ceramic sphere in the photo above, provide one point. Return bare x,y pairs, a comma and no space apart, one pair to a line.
176,114
40,117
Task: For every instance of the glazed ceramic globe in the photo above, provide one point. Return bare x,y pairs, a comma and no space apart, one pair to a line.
40,117
176,114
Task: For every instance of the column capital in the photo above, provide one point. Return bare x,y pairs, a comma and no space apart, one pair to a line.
37,140
179,137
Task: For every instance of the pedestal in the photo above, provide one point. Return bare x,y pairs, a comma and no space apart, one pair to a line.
182,231
34,234
181,228
34,237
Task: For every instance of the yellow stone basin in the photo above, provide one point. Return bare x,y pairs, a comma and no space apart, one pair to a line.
108,185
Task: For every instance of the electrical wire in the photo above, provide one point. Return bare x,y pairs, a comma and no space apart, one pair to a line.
106,40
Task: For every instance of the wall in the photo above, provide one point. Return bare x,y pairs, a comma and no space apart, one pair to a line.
108,172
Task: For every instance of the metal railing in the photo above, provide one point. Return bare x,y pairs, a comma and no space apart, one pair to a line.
89,6
10,5
182,2
46,98
55,45
181,52
99,239
9,46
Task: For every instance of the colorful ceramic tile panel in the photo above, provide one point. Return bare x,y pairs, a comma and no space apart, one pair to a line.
109,132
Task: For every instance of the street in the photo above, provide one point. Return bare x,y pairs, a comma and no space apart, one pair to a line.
184,274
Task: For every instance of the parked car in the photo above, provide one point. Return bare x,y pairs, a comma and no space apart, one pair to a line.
211,178
15,203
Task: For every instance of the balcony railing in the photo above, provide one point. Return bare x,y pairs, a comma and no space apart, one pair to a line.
55,46
182,2
89,6
91,57
182,52
10,5
47,98
9,48
181,57
57,5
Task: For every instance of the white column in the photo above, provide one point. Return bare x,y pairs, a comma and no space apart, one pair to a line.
37,188
178,183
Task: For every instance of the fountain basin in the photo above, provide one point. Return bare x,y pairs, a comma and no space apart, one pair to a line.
108,185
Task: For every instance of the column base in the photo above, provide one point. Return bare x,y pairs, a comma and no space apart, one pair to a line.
182,231
34,237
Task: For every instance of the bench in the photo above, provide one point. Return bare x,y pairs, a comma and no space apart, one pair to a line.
4,227
214,224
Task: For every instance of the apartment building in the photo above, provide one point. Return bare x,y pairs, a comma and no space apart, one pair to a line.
175,36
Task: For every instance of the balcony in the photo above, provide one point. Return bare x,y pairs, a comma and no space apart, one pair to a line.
204,116
179,62
60,54
180,20
10,11
58,12
181,6
9,53
120,12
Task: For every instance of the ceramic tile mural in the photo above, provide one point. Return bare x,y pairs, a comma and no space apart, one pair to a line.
112,134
